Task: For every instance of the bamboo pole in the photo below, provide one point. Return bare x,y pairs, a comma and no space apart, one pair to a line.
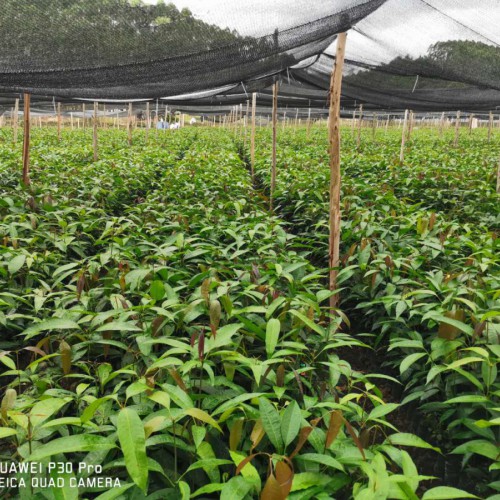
129,124
245,125
360,122
94,137
457,129
471,121
26,141
441,125
72,121
252,137
16,120
59,121
490,126
148,123
335,173
308,122
403,139
275,120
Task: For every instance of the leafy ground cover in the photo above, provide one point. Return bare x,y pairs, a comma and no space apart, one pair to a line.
158,321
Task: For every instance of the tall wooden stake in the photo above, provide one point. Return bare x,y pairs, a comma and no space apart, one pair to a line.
471,121
26,141
490,126
403,139
252,137
335,174
129,124
16,120
59,121
275,120
457,129
84,121
148,122
94,141
360,122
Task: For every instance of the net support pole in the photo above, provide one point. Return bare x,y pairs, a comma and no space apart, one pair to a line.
16,120
26,141
275,126
335,174
148,123
245,124
59,121
129,124
490,126
403,139
72,121
252,137
83,112
498,176
360,122
94,136
457,129
471,121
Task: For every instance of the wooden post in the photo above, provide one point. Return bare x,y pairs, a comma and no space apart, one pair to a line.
374,126
360,122
410,126
296,120
59,121
26,141
471,121
245,124
16,120
94,141
441,125
72,121
84,121
273,167
457,129
490,126
335,174
129,124
148,123
308,122
403,139
252,137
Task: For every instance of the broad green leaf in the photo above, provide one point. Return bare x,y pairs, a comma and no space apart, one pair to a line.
272,335
203,416
290,423
406,439
271,423
133,444
6,432
50,324
16,263
446,493
71,444
410,360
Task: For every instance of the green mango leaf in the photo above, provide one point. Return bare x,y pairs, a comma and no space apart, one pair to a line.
272,335
133,444
446,493
290,423
71,444
271,423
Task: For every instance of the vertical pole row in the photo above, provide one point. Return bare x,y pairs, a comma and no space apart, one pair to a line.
275,120
94,138
335,174
26,141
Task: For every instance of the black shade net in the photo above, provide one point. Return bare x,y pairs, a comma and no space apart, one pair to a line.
426,55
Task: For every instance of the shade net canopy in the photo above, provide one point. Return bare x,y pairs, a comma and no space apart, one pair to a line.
131,49
426,55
